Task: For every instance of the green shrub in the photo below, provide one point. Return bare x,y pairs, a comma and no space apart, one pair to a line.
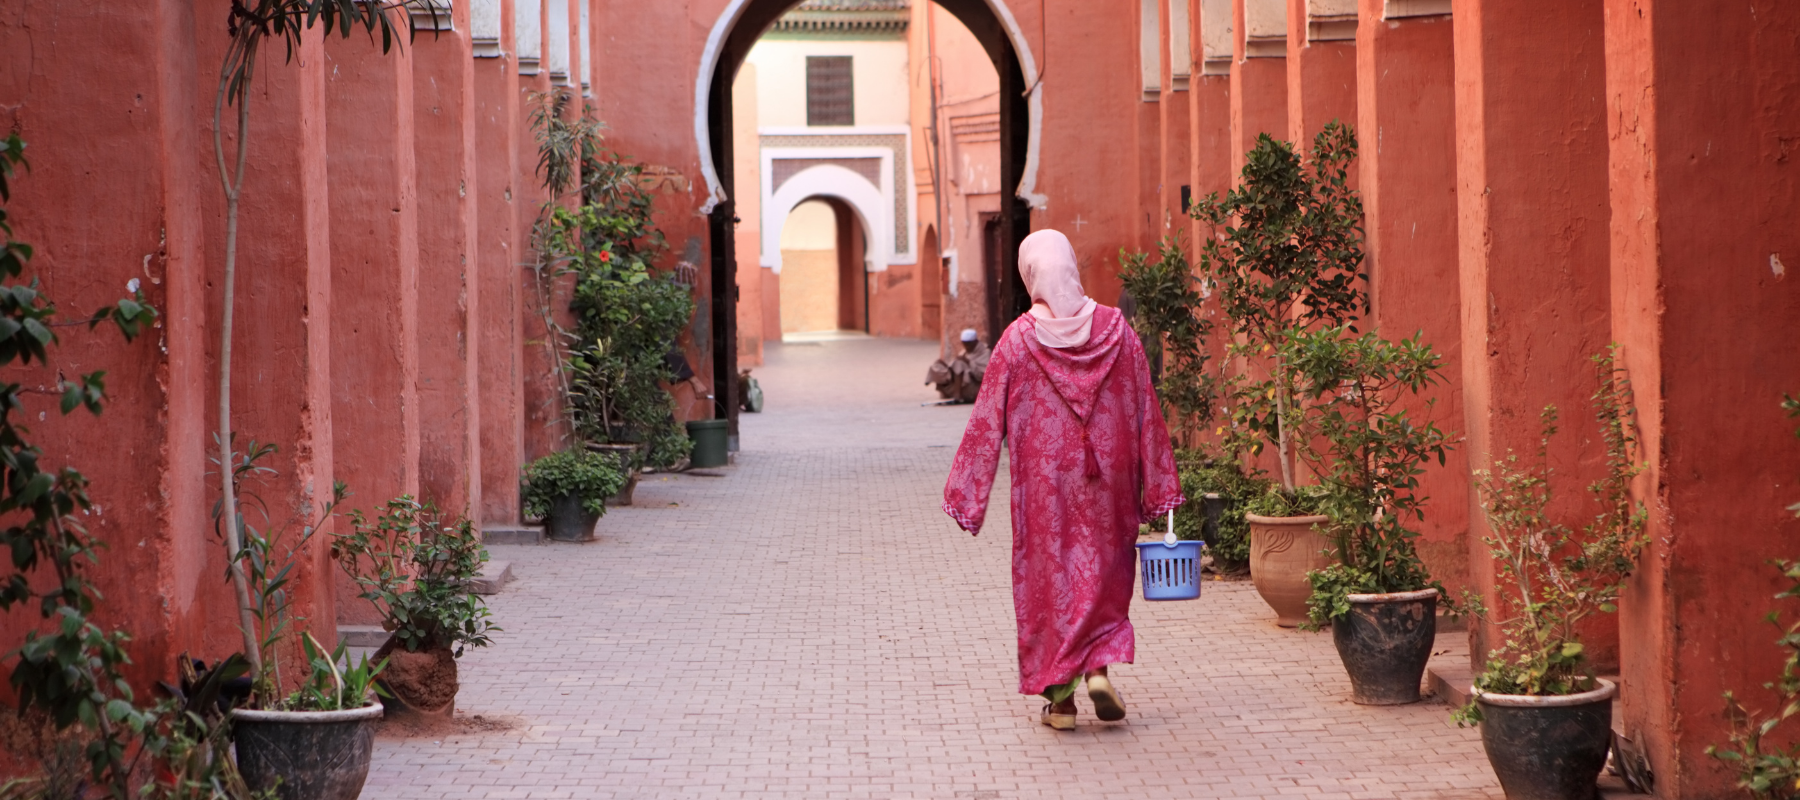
591,476
416,568
1203,473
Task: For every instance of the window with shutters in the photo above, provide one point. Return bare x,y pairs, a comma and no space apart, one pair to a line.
830,93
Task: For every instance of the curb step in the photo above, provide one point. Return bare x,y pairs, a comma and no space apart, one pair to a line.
362,635
513,534
494,577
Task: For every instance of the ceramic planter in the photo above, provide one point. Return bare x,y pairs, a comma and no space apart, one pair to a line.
1282,551
1548,747
627,454
568,521
1384,643
306,755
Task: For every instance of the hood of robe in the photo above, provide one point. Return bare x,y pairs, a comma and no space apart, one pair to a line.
1076,373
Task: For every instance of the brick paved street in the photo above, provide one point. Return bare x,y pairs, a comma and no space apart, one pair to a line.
811,625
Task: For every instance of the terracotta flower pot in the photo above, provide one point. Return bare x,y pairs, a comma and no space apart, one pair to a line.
1548,747
1282,551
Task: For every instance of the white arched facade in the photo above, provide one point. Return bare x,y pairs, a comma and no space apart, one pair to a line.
709,63
874,209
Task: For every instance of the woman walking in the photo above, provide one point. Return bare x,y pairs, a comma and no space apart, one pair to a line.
1068,389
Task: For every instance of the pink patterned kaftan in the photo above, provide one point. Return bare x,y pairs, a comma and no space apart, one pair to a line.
1079,491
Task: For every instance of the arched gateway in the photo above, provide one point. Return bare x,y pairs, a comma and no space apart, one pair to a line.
1021,112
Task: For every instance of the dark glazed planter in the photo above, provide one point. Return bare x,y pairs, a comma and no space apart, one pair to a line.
1548,747
569,522
305,755
1384,642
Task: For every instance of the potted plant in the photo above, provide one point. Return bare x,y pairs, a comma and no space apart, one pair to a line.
1284,256
1379,599
569,490
621,353
1545,719
417,568
1225,490
315,741
1167,315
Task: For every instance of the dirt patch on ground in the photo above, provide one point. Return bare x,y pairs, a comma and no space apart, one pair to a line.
414,726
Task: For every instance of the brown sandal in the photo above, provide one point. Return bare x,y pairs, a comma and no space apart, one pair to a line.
1060,722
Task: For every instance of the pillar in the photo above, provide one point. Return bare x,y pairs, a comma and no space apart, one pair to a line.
1174,120
449,300
544,430
374,281
498,254
1258,75
1700,109
1406,119
1321,67
1209,105
747,196
1532,237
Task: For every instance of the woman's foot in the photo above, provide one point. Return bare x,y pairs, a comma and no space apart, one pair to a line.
1059,716
1108,706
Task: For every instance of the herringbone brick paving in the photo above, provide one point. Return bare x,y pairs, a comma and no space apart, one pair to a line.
811,625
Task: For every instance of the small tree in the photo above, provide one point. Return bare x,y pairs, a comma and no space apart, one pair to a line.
1547,578
250,24
1168,317
1285,256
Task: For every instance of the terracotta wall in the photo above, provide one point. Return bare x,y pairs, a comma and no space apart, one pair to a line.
1699,105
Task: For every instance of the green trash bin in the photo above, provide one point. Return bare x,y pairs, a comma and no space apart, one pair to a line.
709,437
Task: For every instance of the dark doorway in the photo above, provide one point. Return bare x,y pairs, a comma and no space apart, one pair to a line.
757,16
993,276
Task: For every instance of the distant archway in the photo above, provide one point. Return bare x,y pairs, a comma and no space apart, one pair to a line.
736,30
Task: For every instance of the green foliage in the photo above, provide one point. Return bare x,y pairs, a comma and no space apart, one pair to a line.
1285,256
1169,320
1203,472
593,477
417,569
332,684
1769,770
628,314
1350,389
1547,578
267,560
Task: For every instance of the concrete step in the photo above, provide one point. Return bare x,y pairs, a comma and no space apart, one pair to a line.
362,635
494,577
513,534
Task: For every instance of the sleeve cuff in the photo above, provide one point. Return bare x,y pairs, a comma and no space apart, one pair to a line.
1163,508
966,523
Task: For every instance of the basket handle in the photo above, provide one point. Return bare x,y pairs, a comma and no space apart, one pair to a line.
1169,538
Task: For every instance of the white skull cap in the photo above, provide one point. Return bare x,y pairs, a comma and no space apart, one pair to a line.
969,335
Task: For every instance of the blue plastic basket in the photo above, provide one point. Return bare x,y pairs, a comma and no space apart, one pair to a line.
1171,571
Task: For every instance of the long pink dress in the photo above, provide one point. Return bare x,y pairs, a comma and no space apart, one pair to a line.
1079,491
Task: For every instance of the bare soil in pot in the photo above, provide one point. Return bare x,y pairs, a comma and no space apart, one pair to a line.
1282,551
1384,643
422,684
1548,747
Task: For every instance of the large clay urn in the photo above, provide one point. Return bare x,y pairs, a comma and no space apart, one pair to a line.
1282,551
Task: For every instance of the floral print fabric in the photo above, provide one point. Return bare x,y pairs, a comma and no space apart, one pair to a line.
1090,461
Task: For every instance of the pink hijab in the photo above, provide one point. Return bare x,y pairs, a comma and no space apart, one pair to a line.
1064,315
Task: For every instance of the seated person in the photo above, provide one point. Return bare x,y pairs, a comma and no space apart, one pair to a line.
960,380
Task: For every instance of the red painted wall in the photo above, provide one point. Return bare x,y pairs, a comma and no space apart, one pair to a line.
498,251
449,298
1322,80
1532,231
1406,123
1705,194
